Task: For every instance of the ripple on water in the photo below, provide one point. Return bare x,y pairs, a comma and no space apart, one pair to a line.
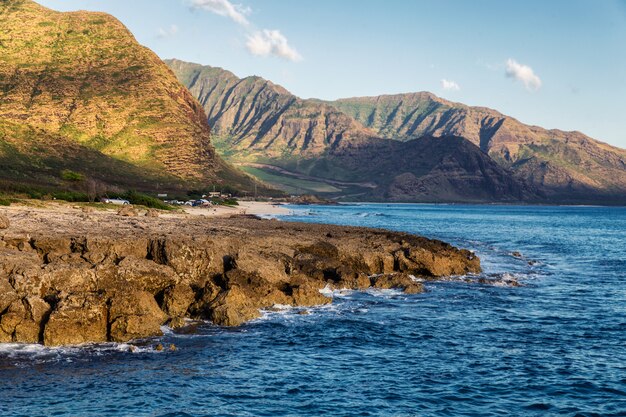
474,345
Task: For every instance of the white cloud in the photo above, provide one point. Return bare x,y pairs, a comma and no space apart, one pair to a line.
236,12
523,73
169,32
449,85
271,42
260,42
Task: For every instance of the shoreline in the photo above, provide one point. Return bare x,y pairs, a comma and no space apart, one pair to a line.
71,275
256,208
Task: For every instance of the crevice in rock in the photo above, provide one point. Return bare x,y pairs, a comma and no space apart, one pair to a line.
53,301
230,263
156,251
108,319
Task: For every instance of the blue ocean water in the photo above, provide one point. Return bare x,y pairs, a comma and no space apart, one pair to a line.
556,345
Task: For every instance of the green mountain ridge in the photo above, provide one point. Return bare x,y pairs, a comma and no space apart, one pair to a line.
256,121
565,164
78,83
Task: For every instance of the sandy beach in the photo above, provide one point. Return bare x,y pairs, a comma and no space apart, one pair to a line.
257,208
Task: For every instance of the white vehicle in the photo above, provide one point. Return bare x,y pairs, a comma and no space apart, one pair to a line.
117,201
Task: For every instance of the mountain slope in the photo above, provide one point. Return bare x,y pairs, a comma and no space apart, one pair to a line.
256,121
568,165
258,117
80,81
260,124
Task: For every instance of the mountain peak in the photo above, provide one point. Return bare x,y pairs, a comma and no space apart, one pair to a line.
349,141
82,78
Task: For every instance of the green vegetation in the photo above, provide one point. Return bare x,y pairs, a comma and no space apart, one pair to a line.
227,202
5,202
71,196
72,176
291,185
137,198
105,113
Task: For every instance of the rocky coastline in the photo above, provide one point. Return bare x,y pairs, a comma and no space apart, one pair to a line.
72,276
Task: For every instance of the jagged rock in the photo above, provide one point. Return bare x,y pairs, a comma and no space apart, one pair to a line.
232,308
134,315
205,296
258,289
103,279
22,320
4,222
145,274
307,294
128,211
152,213
399,281
176,322
76,319
177,299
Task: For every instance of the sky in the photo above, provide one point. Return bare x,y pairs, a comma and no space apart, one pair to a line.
556,64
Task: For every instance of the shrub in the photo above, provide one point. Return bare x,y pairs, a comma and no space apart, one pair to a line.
4,202
145,200
68,175
229,202
71,196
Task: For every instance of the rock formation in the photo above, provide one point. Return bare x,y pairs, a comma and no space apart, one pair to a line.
115,278
256,121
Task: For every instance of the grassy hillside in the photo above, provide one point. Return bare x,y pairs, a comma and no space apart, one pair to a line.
78,92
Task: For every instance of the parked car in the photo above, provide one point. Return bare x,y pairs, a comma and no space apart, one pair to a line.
117,201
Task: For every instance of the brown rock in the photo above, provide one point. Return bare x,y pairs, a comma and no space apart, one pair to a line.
232,308
176,323
177,299
152,213
308,295
77,319
399,281
134,315
106,270
259,290
127,211
4,222
22,320
87,209
145,274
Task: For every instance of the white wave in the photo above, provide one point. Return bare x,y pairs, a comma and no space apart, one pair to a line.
330,292
384,292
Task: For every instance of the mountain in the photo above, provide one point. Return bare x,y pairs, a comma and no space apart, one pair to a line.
312,146
567,165
361,146
77,92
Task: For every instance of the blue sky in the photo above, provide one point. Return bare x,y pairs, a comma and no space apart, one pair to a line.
557,64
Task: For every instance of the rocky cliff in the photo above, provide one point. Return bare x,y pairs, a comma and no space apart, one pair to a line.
115,278
79,84
565,165
260,122
256,121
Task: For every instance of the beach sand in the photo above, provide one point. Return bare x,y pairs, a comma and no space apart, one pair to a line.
257,208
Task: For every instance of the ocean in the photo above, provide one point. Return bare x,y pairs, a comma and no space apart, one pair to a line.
541,332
